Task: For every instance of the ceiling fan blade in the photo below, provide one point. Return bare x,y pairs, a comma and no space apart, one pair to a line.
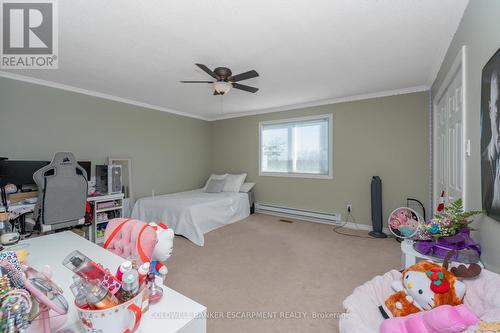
196,81
243,76
207,70
245,88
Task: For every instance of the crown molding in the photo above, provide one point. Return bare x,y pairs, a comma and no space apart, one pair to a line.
289,107
353,98
93,93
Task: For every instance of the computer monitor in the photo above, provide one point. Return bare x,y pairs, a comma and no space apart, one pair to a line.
86,165
19,172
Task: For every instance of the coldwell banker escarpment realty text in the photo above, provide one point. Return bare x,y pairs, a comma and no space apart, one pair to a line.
29,34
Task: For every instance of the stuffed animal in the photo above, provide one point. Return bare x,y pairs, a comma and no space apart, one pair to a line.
409,227
163,248
404,221
423,286
394,223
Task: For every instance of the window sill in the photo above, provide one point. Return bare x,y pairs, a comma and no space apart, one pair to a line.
295,175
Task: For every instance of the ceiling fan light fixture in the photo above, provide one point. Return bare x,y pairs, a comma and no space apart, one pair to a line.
222,87
225,80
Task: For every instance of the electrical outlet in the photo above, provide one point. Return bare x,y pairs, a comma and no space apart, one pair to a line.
349,208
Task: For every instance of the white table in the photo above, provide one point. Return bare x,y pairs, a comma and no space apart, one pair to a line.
174,312
409,255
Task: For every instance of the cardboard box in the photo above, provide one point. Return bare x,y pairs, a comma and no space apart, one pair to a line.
20,196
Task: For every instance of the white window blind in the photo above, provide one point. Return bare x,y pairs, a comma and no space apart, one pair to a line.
299,147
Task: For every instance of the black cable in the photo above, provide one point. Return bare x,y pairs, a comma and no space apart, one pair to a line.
420,203
5,201
337,228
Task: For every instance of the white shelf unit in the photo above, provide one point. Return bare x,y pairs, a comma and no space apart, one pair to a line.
104,208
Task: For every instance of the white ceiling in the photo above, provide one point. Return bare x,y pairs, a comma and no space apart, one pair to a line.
306,52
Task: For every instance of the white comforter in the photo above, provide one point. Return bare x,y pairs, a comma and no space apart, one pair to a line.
193,213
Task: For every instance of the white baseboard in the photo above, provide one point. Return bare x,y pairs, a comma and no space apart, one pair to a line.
298,213
347,225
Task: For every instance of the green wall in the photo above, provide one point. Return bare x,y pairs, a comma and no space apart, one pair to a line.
169,152
479,30
384,136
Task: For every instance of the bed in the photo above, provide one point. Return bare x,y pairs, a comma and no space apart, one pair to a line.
194,213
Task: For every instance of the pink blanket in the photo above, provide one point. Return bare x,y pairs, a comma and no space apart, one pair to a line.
442,319
363,316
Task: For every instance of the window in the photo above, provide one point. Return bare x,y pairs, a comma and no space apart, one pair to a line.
299,147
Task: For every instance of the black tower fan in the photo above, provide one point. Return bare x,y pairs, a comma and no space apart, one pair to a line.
376,193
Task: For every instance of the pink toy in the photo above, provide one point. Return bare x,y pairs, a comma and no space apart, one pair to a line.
403,216
443,319
399,218
412,224
394,223
404,222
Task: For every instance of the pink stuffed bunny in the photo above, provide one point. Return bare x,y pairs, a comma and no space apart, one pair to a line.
443,319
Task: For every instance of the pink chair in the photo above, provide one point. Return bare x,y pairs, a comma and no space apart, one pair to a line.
130,238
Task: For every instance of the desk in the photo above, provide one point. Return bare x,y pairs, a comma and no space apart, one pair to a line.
89,199
95,232
18,206
174,312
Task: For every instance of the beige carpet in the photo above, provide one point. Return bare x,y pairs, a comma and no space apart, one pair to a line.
263,265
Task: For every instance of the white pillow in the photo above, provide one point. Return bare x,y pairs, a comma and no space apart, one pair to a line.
246,187
216,177
234,182
215,186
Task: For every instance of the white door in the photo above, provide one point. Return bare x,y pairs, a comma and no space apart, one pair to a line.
449,143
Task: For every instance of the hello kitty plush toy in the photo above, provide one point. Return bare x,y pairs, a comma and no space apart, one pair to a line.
423,286
162,250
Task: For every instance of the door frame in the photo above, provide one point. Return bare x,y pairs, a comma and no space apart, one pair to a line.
458,64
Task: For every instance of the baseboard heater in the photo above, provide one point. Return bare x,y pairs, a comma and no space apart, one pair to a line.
298,213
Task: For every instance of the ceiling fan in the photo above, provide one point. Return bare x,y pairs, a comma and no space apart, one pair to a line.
225,80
